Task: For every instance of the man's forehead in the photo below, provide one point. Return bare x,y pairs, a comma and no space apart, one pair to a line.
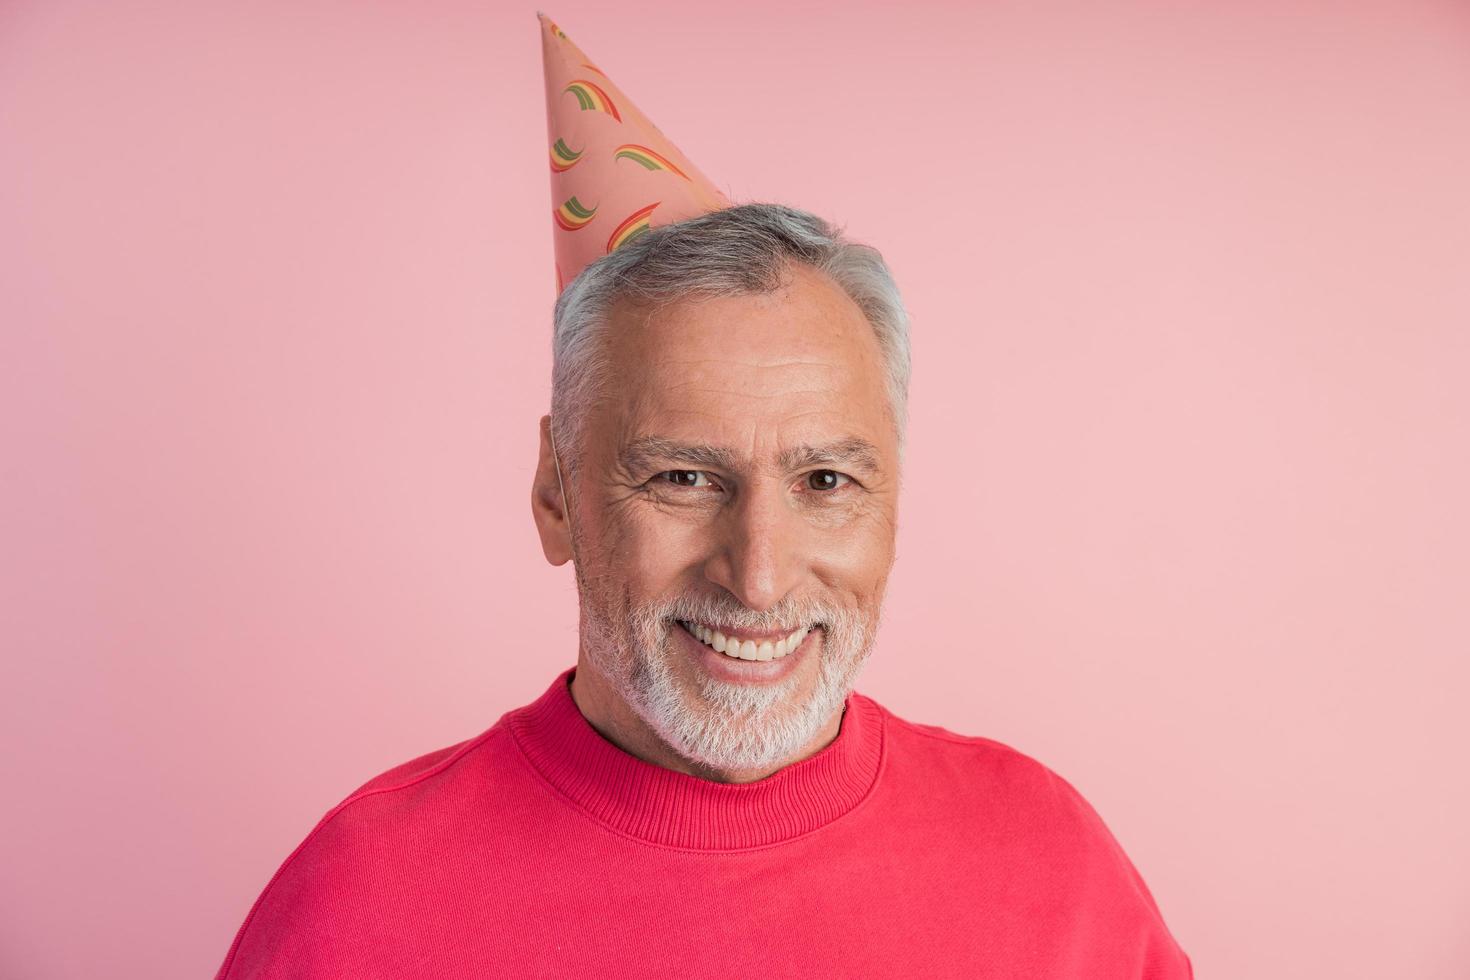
726,348
653,450
747,382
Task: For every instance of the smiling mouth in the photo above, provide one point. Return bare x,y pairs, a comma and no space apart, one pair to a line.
746,649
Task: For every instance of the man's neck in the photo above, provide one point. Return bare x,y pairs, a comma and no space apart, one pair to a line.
613,719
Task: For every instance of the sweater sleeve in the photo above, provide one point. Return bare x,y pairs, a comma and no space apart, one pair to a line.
324,913
1158,955
306,924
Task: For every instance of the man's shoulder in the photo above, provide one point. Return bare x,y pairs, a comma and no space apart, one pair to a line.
360,850
427,768
974,743
1010,799
970,757
436,786
988,779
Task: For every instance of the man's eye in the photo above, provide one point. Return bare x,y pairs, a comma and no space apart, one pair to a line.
687,478
826,479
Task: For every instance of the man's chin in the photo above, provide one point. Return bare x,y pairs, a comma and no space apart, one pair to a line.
728,726
703,699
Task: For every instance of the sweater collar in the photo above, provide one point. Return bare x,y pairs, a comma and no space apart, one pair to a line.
675,809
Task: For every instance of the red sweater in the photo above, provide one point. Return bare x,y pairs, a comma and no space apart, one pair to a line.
538,848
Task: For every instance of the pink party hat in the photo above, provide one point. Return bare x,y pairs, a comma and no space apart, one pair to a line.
613,174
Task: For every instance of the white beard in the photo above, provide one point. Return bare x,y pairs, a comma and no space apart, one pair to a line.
726,727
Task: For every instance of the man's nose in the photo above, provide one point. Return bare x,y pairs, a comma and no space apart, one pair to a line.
763,553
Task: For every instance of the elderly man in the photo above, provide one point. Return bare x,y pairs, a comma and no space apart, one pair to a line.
704,794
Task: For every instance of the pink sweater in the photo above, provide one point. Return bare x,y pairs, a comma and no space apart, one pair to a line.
538,848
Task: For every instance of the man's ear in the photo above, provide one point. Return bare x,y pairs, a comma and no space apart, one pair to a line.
548,505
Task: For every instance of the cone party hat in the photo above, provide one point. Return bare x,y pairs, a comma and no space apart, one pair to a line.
614,175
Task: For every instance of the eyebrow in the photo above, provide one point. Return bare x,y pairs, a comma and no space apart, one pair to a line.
850,453
647,451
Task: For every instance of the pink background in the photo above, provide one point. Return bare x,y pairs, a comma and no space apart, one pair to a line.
1184,513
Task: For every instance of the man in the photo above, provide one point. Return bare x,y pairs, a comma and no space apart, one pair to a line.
703,793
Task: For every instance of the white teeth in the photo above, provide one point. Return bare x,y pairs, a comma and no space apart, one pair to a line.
749,649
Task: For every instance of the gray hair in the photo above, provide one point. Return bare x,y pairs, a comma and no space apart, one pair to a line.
737,250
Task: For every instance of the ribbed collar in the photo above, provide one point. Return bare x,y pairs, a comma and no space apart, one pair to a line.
675,809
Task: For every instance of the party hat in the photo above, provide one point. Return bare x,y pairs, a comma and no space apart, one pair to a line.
614,175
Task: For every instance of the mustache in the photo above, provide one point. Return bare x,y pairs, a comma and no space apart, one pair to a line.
717,611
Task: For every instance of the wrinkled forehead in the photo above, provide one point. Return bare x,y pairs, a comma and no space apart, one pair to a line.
762,374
